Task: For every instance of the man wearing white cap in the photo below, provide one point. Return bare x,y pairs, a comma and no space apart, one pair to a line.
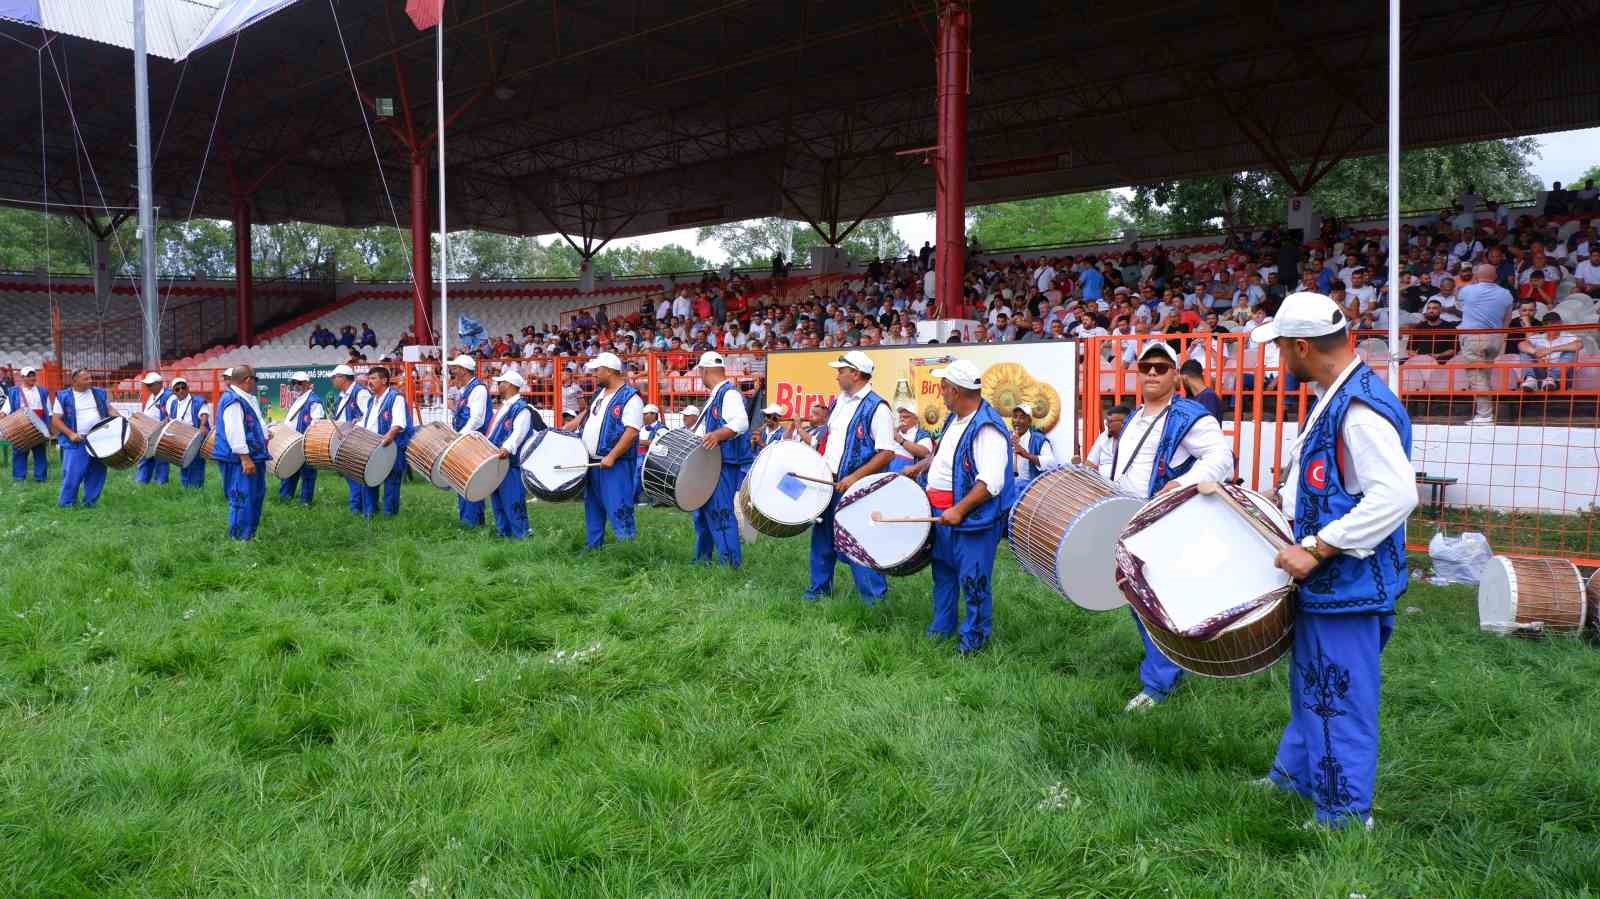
471,414
653,426
1030,448
912,440
1167,443
157,405
970,486
509,429
352,405
771,431
691,417
389,417
73,414
610,424
716,532
241,453
194,411
1349,490
860,443
303,410
30,396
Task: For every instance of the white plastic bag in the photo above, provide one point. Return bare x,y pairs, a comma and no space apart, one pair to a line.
1458,560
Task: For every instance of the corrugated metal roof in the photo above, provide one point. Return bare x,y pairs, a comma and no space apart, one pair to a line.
171,26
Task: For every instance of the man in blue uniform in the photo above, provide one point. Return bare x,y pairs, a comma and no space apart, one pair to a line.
73,413
771,430
389,417
471,414
1349,489
863,445
724,424
912,441
509,430
193,410
303,410
30,396
653,426
1030,448
351,406
970,487
241,453
609,425
157,405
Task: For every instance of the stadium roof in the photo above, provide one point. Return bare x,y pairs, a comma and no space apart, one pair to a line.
618,118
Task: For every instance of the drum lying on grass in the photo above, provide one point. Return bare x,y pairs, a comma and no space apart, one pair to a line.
1531,597
679,471
1063,530
894,548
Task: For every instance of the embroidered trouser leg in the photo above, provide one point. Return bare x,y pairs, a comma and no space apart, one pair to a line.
963,563
79,469
151,471
1156,672
714,525
304,480
608,497
471,514
1329,750
19,464
870,583
358,497
509,502
193,475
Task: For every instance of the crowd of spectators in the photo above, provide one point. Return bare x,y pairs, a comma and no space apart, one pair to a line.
348,337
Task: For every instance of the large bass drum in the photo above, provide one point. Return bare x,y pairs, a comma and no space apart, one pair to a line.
1063,530
777,503
552,465
897,548
679,471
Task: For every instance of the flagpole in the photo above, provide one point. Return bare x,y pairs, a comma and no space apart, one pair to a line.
444,232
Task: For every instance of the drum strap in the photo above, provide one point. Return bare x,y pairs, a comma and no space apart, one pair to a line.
1136,447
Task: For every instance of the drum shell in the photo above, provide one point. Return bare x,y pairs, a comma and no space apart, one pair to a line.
1058,507
761,523
209,444
1592,599
679,471
21,431
568,492
322,442
427,449
361,457
473,466
150,429
1546,597
179,443
286,449
1236,652
129,453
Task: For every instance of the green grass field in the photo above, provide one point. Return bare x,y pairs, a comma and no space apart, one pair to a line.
402,708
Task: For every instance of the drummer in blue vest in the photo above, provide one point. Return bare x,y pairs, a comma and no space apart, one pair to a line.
912,442
157,405
72,414
241,453
609,425
1349,489
513,422
1031,452
351,406
863,445
472,413
653,426
1167,443
771,430
303,410
970,486
724,424
29,395
191,409
389,418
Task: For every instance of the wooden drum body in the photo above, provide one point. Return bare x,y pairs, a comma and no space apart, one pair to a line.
322,442
287,449
364,458
180,443
776,503
426,451
1531,597
1202,580
150,429
23,430
116,442
1592,599
679,471
209,444
894,548
550,460
1063,530
473,467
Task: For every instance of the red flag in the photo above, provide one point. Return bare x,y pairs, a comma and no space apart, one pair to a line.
425,13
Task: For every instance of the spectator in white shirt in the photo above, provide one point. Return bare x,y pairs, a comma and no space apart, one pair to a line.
1101,453
1552,348
1588,272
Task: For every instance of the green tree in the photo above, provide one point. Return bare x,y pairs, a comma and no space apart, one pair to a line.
1044,220
1592,174
874,239
31,240
753,243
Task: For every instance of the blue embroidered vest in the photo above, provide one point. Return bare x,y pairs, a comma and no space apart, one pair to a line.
1345,583
611,426
464,409
1035,443
302,419
352,408
164,405
991,512
509,421
1181,416
386,420
193,415
858,443
649,433
16,398
254,437
735,451
69,412
900,463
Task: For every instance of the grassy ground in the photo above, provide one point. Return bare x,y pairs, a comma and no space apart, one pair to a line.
400,708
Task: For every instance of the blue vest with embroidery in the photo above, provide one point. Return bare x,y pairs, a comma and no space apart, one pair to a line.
386,420
255,438
69,412
611,426
14,396
193,415
991,512
509,421
901,463
352,409
649,433
464,409
1345,583
303,419
164,405
1036,441
735,451
1181,416
858,443
774,435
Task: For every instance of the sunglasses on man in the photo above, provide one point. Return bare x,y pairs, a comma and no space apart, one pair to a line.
1154,368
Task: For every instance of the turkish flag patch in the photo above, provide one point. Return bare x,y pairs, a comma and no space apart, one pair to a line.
616,411
1317,473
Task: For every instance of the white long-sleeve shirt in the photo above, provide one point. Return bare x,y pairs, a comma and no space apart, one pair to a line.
233,421
1376,468
401,417
186,406
1099,457
632,417
477,408
1204,443
734,417
844,411
519,426
909,435
988,454
154,405
1047,458
317,412
88,415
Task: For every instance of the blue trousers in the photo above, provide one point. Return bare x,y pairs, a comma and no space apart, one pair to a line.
246,492
1157,673
78,468
963,562
609,497
1329,750
870,583
305,480
193,475
715,530
151,471
41,464
358,495
509,502
389,489
471,514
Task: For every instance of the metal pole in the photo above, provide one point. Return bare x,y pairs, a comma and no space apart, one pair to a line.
444,233
950,186
1394,196
147,216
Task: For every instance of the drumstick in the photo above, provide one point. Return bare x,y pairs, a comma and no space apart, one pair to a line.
880,518
1273,538
803,477
576,467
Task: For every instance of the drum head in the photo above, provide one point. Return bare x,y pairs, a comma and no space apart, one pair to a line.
379,464
192,451
107,437
776,494
1085,565
545,452
1202,558
697,478
1497,595
486,479
152,443
885,545
290,458
747,531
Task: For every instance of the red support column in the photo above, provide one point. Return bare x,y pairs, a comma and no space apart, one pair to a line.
421,251
243,285
950,189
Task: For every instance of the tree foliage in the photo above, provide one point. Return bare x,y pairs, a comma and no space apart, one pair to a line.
753,243
1045,220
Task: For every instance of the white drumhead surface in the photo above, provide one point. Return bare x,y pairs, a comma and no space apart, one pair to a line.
486,479
1086,560
290,457
106,437
889,544
783,458
153,443
556,448
1202,558
1497,594
379,464
697,478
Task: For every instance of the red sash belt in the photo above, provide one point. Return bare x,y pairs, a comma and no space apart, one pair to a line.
941,499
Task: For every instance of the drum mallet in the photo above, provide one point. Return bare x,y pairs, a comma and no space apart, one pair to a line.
880,518
576,467
1212,488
